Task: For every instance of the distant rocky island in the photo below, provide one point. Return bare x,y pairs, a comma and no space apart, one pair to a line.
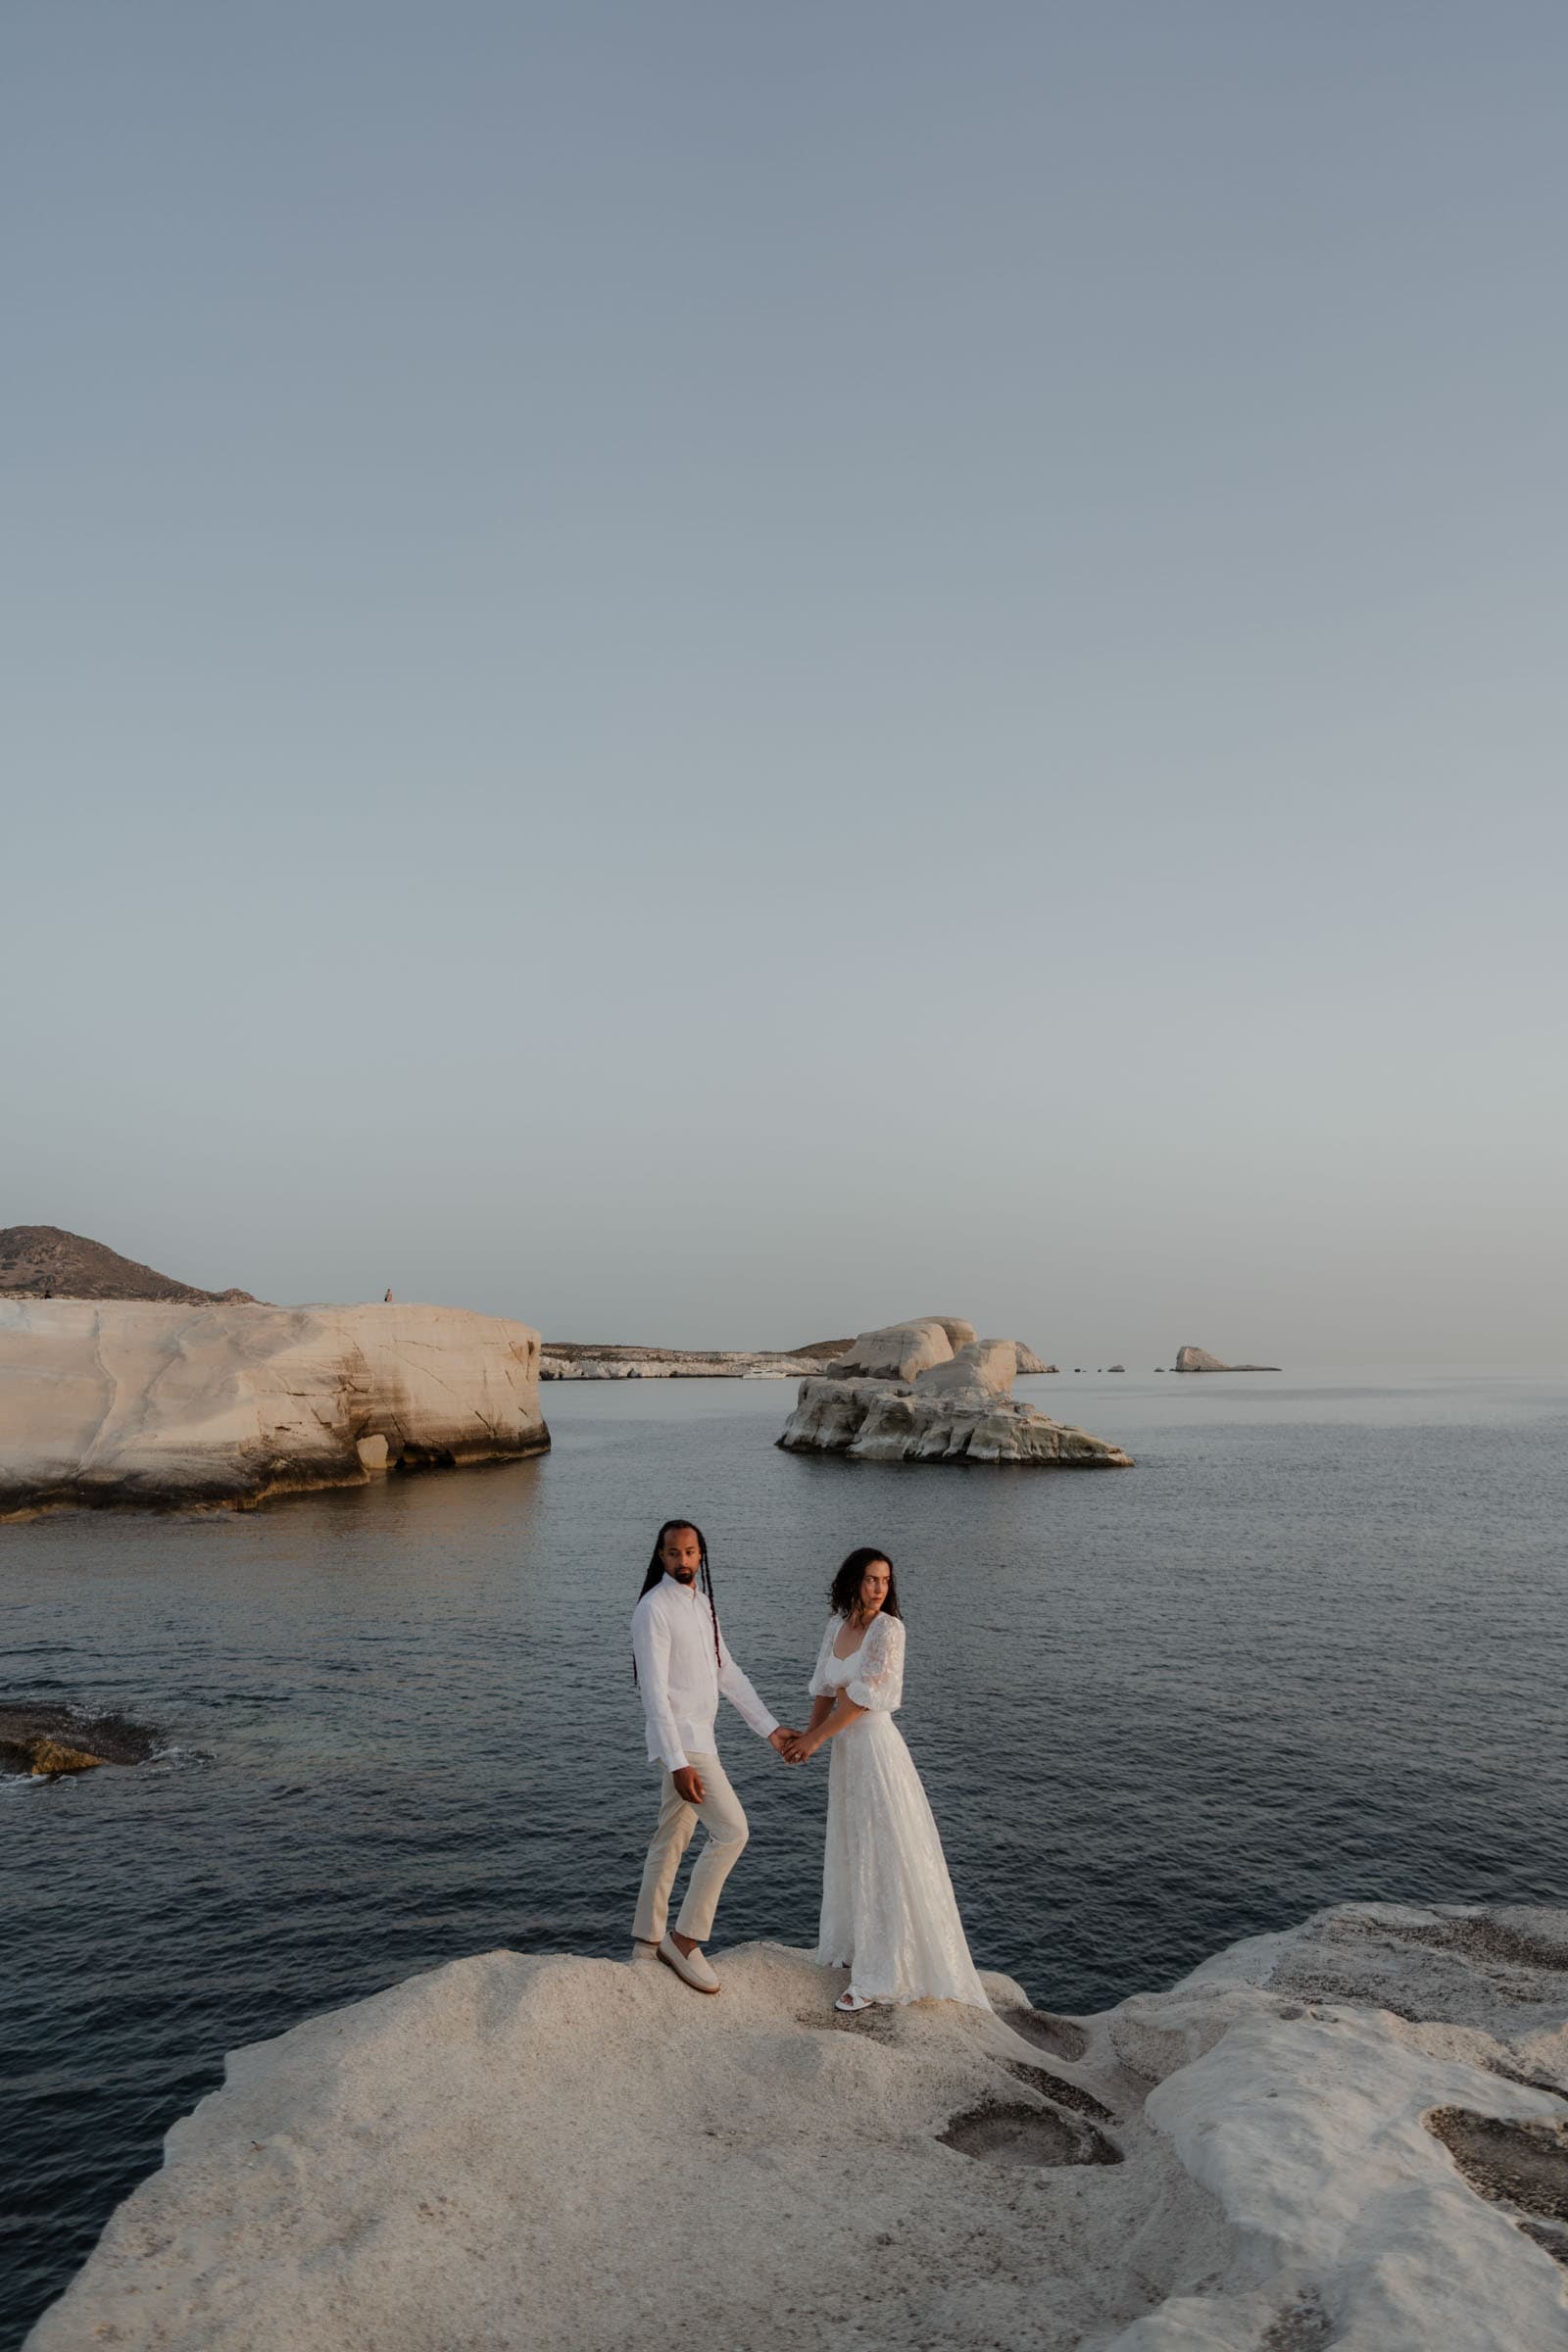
931,1391
1199,1359
579,1359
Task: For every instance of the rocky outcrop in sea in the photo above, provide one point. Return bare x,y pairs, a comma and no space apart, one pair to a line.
1199,1359
1354,2133
44,1737
128,1403
928,1391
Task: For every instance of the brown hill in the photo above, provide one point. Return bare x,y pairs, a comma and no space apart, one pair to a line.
43,1261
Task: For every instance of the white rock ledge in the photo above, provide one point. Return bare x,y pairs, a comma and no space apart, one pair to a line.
144,1404
569,2155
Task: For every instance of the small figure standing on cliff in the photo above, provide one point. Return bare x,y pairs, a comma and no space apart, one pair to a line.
388,1299
683,1664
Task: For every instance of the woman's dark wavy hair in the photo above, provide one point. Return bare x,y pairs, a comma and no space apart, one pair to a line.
847,1583
705,1575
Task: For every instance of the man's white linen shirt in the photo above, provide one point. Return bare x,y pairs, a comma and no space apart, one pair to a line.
680,1679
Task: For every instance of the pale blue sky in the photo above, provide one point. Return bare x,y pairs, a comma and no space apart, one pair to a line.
714,673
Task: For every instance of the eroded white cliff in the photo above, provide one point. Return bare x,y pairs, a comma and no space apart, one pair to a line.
105,1402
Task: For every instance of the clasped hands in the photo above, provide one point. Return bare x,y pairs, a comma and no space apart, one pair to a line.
796,1747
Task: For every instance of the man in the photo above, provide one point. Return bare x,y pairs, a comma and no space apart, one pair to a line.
682,1664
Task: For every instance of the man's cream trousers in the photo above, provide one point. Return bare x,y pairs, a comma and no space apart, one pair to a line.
721,1817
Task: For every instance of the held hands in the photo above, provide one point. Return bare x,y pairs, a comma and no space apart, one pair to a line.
799,1747
786,1740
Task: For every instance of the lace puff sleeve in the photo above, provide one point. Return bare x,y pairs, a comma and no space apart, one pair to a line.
820,1687
879,1683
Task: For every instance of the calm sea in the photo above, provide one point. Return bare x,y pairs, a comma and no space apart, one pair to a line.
1313,1647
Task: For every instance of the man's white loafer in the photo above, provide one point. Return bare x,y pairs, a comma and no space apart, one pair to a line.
691,1968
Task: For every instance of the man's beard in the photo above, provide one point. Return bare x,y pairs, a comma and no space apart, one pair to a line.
684,1576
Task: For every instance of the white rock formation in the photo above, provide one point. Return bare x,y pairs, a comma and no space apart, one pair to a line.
903,1350
961,1410
1319,2138
1030,1365
1199,1359
134,1402
982,1367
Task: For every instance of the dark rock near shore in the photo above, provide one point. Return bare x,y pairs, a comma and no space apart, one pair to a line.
51,1759
26,1729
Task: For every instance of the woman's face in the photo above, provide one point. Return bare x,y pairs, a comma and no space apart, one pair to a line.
873,1588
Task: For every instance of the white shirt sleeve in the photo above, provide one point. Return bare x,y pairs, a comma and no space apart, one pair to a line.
880,1680
649,1646
738,1690
820,1687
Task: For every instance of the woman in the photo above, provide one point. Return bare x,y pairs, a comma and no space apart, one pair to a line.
888,1913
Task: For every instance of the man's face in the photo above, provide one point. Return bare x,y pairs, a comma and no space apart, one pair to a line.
681,1555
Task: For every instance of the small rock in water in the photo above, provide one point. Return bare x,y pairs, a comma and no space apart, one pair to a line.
31,1732
49,1757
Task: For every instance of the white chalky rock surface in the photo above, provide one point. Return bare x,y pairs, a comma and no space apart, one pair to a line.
131,1401
903,1350
572,2155
982,1367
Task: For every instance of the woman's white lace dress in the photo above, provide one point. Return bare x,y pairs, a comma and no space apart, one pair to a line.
888,1910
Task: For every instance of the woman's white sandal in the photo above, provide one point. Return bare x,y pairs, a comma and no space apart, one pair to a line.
852,2002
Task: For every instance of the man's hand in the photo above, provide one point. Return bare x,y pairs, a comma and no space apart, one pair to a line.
689,1784
801,1748
783,1738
